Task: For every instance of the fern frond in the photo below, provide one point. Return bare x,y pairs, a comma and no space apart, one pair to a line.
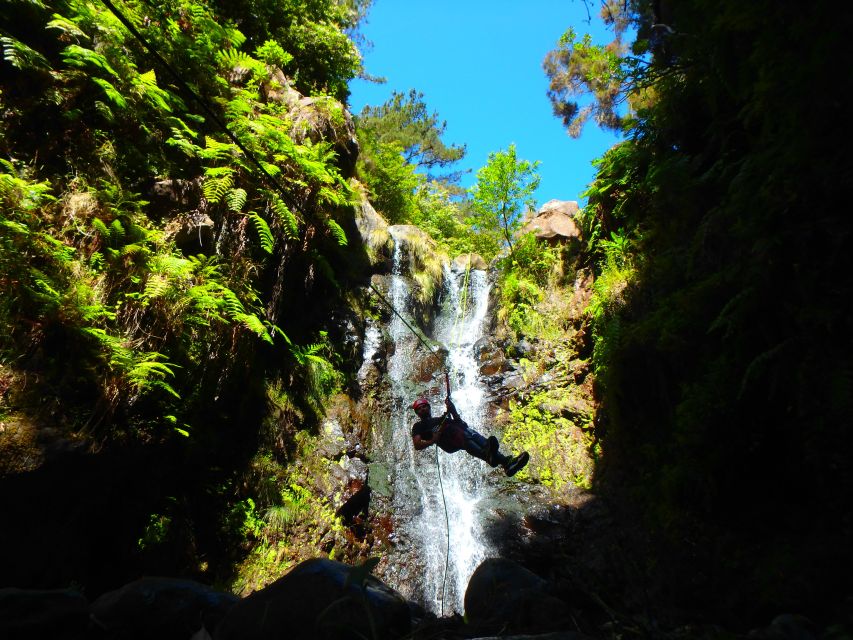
101,228
233,306
272,53
116,232
68,28
333,197
270,168
215,150
134,250
233,58
179,127
264,232
218,172
284,215
156,287
188,148
15,227
215,188
146,85
146,372
254,324
21,56
337,231
236,199
96,261
76,56
172,266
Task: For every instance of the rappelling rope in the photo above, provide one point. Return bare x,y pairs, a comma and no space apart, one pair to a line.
463,309
446,516
437,465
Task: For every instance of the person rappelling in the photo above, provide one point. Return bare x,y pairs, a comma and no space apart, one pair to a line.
453,434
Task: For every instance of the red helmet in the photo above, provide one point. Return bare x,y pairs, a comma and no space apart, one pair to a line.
419,403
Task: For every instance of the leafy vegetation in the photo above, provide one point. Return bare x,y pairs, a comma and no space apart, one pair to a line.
167,201
720,339
503,187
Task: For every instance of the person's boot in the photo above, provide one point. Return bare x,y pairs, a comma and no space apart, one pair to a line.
516,464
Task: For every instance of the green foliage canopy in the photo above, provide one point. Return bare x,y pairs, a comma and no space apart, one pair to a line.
503,187
405,119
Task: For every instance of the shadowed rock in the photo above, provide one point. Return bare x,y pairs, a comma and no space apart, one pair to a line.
59,614
319,599
160,608
504,595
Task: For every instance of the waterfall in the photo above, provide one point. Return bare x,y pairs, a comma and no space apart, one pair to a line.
425,571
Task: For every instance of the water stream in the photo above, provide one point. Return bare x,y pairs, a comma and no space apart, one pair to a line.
433,489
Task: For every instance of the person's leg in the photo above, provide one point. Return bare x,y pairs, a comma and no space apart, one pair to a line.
483,448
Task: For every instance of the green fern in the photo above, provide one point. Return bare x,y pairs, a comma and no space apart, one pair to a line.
337,231
156,287
215,188
254,324
231,303
232,58
76,56
117,232
69,29
215,150
112,93
236,199
284,215
272,53
146,85
264,232
21,56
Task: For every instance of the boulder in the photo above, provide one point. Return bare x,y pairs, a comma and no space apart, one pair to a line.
555,222
58,613
470,261
352,493
319,599
502,594
491,358
373,230
192,233
333,443
162,608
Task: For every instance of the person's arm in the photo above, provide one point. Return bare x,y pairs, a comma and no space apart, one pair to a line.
451,409
421,443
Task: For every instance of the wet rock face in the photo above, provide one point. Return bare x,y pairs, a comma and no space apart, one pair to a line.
490,356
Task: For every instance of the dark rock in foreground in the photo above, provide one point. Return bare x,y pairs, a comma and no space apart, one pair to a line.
319,599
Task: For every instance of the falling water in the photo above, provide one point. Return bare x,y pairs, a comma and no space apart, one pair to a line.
436,570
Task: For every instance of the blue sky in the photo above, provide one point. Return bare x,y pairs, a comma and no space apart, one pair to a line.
479,65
